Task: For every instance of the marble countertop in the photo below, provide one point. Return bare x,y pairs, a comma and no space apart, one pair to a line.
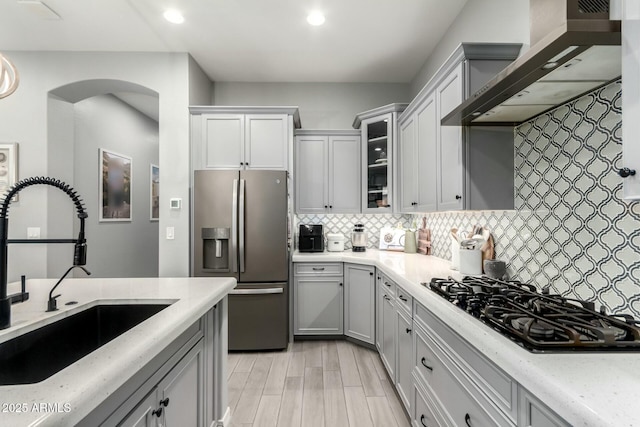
586,389
81,387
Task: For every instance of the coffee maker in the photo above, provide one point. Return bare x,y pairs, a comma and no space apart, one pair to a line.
359,238
310,238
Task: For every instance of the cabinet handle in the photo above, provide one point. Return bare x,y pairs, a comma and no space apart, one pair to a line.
458,197
386,297
424,363
387,284
387,206
422,418
330,207
241,163
340,283
414,203
467,419
371,273
164,402
325,206
318,268
625,172
247,164
378,277
157,412
403,298
408,330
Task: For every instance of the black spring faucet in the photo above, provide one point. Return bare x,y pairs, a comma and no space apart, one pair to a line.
80,250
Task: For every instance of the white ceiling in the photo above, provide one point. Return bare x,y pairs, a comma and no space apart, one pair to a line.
248,40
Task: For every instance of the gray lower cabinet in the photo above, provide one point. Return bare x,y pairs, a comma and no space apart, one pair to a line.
533,413
388,338
359,302
318,299
178,399
404,358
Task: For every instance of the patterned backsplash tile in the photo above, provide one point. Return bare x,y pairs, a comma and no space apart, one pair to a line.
571,229
343,223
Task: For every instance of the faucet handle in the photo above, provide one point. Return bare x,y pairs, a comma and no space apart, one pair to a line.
52,304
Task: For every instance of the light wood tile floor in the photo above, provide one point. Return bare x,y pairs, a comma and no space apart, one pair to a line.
312,383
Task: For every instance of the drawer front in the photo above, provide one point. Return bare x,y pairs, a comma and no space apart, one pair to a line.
459,407
405,300
487,377
318,269
387,284
534,413
423,414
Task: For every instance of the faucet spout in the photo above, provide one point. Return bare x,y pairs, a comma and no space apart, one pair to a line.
80,251
52,304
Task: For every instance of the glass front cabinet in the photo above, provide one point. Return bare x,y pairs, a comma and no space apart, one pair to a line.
378,129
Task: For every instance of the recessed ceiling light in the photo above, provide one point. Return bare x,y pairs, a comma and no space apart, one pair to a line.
315,18
173,16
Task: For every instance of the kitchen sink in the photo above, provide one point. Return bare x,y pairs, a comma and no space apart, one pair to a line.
39,354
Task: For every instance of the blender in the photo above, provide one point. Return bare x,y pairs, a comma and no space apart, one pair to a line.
359,238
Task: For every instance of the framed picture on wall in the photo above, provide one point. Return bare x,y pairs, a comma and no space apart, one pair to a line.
8,167
154,191
115,187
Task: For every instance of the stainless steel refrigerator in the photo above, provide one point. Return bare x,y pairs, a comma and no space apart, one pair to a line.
240,230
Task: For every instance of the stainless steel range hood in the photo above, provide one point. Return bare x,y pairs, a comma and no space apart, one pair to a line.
575,48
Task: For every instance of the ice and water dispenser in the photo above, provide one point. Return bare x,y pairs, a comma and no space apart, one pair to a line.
215,251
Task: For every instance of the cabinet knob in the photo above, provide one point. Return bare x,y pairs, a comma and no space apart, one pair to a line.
458,197
157,412
247,163
371,273
408,330
340,284
625,172
414,203
241,163
330,207
164,402
325,206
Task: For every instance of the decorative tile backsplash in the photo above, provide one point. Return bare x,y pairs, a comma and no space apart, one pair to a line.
343,223
571,229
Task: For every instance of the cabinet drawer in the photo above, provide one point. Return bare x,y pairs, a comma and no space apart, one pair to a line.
534,413
387,284
405,300
423,414
460,406
318,269
484,375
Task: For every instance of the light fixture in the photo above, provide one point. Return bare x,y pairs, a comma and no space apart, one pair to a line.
9,77
174,16
315,18
378,149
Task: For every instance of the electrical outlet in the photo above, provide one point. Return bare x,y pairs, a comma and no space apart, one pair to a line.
170,233
33,232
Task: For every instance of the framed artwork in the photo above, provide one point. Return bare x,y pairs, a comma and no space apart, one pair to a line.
154,192
115,187
8,167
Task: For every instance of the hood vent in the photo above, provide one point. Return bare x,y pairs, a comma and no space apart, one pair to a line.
575,49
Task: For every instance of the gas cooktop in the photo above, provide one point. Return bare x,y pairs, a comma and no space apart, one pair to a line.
537,321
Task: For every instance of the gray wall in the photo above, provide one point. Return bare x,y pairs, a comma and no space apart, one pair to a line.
116,249
24,119
505,21
322,105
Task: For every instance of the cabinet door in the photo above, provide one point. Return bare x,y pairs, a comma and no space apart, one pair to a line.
181,392
142,415
389,335
533,413
631,97
359,300
408,166
344,174
449,95
266,141
377,161
404,356
426,154
223,140
311,174
318,306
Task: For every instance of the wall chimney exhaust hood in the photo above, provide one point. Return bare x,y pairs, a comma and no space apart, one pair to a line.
575,48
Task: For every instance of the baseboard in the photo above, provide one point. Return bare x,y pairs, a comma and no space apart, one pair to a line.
225,421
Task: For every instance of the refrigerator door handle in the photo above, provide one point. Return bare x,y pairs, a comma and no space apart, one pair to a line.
256,291
241,230
234,227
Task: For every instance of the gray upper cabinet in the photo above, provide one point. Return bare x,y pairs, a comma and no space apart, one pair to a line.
379,133
456,167
359,302
258,138
327,172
